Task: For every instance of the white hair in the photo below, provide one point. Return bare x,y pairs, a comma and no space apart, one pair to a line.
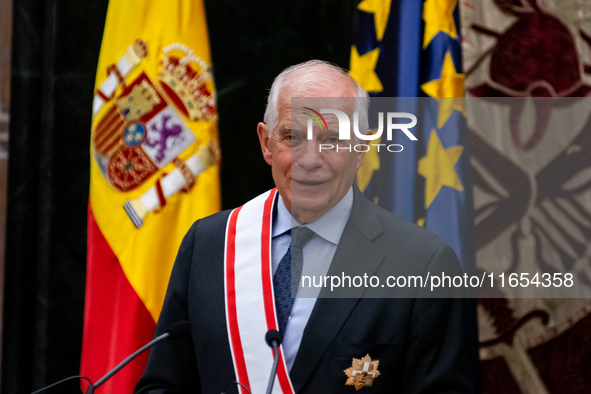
308,77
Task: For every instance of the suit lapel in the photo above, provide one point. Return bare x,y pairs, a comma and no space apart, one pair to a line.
355,255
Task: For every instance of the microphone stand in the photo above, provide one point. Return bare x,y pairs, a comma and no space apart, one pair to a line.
175,331
123,363
273,339
274,368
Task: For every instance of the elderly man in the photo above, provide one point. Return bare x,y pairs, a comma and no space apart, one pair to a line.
237,271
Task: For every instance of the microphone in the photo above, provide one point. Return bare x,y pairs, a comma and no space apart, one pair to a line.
175,331
273,336
273,339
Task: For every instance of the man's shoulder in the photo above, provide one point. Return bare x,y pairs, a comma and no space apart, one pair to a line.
406,231
218,219
209,227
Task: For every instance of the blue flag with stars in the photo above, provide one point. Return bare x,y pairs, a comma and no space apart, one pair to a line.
409,48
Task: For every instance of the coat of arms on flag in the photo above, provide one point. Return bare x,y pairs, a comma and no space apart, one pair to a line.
142,125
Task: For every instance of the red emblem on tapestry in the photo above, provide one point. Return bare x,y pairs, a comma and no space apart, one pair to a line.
535,57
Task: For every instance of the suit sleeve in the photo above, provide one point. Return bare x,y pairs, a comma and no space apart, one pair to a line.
442,354
172,367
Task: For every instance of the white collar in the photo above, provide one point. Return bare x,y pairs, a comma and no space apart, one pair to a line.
329,226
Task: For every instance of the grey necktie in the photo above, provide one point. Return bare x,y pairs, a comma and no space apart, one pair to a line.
287,276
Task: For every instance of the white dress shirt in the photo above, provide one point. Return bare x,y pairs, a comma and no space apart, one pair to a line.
318,254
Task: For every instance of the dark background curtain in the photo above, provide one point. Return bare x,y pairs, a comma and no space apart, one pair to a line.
55,50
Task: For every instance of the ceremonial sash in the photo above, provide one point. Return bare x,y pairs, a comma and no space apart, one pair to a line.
250,306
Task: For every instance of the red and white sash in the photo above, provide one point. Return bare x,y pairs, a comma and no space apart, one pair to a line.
250,306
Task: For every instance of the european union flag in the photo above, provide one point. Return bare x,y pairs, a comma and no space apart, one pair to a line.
408,48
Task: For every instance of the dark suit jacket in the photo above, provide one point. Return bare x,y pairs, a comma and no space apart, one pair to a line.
423,345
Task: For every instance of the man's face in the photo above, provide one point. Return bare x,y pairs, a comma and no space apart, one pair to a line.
311,181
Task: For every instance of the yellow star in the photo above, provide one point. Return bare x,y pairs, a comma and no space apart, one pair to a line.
371,163
438,16
438,168
381,12
448,90
363,69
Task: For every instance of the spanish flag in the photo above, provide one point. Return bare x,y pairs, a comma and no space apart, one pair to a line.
154,171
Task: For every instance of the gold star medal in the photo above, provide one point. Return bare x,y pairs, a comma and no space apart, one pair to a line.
362,373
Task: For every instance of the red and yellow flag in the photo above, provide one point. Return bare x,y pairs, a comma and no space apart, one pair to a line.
154,171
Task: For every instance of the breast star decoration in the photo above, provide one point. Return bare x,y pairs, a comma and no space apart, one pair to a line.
362,373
